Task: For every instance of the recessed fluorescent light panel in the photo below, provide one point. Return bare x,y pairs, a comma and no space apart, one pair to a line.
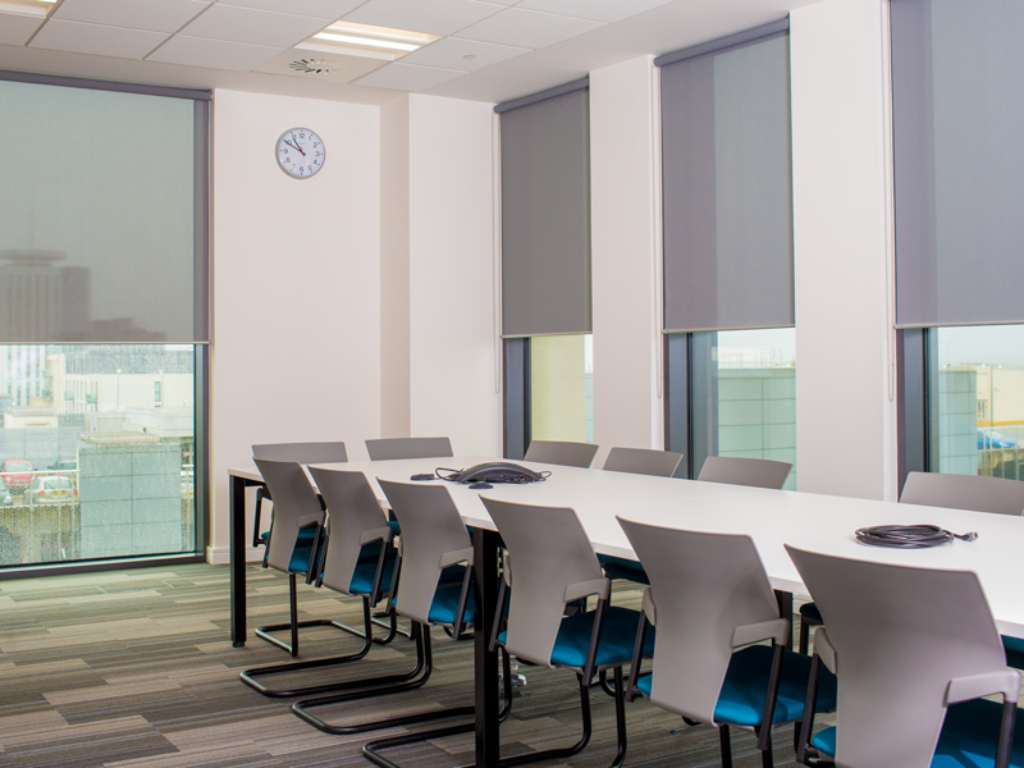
367,40
27,7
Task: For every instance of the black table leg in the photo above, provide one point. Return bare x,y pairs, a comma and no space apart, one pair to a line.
236,502
485,562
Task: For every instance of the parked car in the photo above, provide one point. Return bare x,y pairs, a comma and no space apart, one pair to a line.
51,488
5,495
17,474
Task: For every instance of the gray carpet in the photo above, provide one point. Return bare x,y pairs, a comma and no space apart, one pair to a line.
134,669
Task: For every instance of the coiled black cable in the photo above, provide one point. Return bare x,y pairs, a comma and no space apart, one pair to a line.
910,536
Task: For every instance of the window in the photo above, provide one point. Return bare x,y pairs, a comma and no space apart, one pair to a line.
976,394
741,391
90,467
103,320
957,167
728,249
562,388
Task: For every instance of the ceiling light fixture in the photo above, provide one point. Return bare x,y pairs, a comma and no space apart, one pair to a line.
28,7
368,40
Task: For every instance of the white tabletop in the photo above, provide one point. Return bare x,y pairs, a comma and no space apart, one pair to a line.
771,518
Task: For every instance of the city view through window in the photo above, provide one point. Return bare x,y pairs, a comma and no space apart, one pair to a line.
96,451
755,377
976,392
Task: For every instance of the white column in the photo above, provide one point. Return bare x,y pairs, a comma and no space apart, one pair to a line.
845,346
625,254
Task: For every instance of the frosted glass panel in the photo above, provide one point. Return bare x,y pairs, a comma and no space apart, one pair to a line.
98,235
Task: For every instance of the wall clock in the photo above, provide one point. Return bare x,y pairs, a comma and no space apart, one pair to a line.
300,153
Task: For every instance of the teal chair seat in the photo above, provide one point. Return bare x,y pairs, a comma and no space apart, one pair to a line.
445,607
1014,651
741,701
303,550
366,570
620,568
615,648
968,738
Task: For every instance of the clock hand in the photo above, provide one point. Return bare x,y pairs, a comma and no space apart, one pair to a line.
296,145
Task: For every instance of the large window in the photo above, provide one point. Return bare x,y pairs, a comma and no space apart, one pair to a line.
957,168
103,320
97,452
975,388
728,249
733,393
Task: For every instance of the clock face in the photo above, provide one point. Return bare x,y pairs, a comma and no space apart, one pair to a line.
300,153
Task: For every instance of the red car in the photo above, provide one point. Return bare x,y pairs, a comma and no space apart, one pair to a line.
17,474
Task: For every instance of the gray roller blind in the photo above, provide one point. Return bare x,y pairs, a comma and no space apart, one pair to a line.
545,216
958,123
102,216
728,243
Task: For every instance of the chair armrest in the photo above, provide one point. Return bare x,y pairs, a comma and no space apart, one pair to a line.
456,556
601,587
1005,682
648,608
773,629
824,650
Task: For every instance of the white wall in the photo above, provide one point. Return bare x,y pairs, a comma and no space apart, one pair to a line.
295,284
625,255
454,366
845,412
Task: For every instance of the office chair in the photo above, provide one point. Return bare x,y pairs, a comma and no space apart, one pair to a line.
710,602
996,495
550,566
388,448
563,453
303,453
638,461
433,588
733,470
356,557
915,651
295,528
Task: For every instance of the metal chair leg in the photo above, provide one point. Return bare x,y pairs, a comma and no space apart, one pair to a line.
620,719
726,745
805,636
383,686
252,677
372,750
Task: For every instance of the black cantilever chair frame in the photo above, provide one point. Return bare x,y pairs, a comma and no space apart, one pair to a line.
432,587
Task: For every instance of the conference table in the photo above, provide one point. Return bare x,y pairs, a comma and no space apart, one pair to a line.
771,518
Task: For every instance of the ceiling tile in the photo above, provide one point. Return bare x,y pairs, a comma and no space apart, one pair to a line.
529,29
334,68
438,17
215,54
600,10
80,37
16,28
466,55
323,9
245,25
162,16
408,77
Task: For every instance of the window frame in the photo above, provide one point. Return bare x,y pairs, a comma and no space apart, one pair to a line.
202,301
